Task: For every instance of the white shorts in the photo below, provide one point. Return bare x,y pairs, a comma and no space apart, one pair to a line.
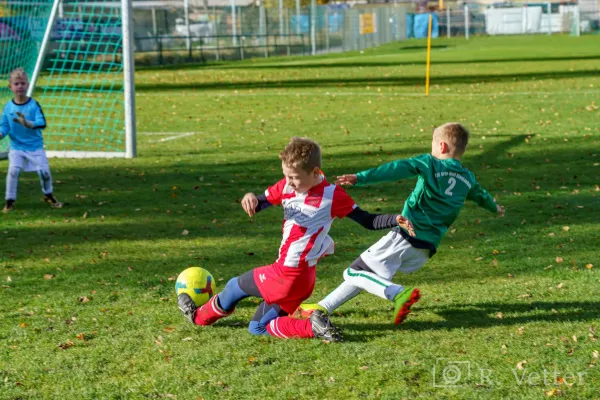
392,253
28,161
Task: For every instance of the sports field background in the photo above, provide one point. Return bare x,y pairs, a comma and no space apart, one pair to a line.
87,305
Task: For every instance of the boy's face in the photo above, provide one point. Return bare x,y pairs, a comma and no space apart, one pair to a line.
19,86
300,180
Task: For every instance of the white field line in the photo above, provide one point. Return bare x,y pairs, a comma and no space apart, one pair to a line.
174,135
269,92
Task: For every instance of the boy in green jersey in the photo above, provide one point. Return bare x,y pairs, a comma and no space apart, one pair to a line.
443,185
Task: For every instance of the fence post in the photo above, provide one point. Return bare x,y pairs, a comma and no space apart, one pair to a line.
218,54
160,54
297,17
241,47
466,22
525,18
548,6
233,24
313,17
327,29
186,11
448,21
280,19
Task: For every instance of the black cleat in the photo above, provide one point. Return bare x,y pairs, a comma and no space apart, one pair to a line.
187,306
323,328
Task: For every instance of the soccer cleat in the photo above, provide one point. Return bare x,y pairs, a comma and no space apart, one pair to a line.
187,306
305,310
210,313
402,303
323,328
52,202
9,206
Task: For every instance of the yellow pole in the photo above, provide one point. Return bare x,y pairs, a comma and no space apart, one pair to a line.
441,4
428,55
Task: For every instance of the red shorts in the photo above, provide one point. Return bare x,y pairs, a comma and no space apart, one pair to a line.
285,286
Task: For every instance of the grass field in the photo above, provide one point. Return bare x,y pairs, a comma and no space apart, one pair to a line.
87,304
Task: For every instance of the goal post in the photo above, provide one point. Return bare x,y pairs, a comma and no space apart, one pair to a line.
82,76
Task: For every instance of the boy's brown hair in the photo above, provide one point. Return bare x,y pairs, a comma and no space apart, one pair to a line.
456,135
17,73
303,153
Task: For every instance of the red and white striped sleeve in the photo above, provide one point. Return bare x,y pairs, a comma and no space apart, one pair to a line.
342,203
274,193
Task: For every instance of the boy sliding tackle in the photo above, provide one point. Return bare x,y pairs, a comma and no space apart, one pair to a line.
310,204
443,185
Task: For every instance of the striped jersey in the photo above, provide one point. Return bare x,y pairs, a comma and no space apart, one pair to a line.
307,220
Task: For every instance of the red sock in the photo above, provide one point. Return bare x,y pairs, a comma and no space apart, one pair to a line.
210,313
287,328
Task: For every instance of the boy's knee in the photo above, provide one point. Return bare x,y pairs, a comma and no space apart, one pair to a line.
14,172
45,174
256,328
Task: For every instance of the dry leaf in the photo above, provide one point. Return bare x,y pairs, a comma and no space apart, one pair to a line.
560,285
66,345
331,379
84,299
499,315
49,276
23,325
186,339
589,266
595,354
521,330
364,367
8,279
169,329
479,259
524,295
565,229
521,365
504,349
80,336
495,252
185,232
559,260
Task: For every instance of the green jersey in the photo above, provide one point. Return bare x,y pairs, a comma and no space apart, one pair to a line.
441,190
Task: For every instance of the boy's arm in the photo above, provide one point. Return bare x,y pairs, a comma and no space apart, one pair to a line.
380,221
389,172
271,197
4,126
483,199
39,121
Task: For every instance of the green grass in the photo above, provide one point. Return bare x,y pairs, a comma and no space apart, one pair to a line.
531,105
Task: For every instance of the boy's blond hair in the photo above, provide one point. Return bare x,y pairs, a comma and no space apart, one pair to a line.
17,73
456,135
303,153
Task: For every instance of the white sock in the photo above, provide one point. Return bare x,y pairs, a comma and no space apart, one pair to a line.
339,296
12,180
372,283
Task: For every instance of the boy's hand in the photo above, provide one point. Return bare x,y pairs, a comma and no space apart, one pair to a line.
406,224
347,179
21,120
500,209
249,203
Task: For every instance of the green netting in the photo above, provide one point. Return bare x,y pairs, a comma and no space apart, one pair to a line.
81,84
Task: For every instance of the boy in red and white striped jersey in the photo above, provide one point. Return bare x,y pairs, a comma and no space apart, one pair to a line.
310,204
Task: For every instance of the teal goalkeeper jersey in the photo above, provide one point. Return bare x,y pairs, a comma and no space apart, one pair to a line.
441,190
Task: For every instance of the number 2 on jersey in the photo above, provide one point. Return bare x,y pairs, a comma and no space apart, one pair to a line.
451,183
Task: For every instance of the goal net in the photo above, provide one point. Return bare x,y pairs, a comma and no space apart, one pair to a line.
78,57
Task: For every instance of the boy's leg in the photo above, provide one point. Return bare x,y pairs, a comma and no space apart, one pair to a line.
39,159
220,305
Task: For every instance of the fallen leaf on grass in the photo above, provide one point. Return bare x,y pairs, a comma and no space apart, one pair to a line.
169,329
84,299
185,232
363,368
186,339
559,260
589,266
65,345
499,315
521,365
521,330
560,285
524,295
49,276
565,229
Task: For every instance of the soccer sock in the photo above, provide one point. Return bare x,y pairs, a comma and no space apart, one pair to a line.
287,328
372,283
339,296
45,181
231,295
12,180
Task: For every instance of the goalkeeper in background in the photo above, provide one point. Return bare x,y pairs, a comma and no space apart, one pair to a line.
23,121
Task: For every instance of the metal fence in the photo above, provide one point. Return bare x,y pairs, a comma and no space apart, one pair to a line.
169,36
